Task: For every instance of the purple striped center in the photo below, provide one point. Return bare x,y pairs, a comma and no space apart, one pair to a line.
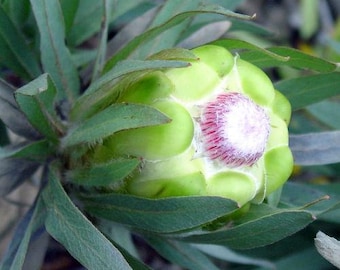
235,130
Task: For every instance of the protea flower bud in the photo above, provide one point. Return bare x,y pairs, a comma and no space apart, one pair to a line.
228,135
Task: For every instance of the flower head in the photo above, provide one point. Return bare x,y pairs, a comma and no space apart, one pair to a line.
228,135
235,130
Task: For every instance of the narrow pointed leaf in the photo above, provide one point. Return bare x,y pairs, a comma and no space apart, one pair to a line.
102,92
101,50
298,260
205,34
86,21
296,195
75,232
251,27
304,91
296,58
316,148
169,38
159,215
17,10
12,117
30,226
329,248
181,253
69,9
55,57
88,18
130,66
174,54
132,260
115,118
82,57
103,174
154,32
326,112
261,226
22,58
35,151
228,255
36,100
241,45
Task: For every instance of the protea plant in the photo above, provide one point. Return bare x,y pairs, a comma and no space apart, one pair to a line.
227,134
151,138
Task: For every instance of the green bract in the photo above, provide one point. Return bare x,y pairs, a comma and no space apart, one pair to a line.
228,135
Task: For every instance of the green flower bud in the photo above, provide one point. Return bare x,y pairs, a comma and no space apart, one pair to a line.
228,135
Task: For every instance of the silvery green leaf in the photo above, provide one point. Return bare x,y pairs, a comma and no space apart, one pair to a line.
13,172
70,227
36,99
11,115
328,247
226,254
316,148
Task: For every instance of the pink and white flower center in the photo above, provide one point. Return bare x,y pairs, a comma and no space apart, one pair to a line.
235,129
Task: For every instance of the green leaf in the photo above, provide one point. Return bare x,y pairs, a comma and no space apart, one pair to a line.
101,50
102,92
126,11
178,54
329,248
21,58
130,66
19,11
36,151
159,215
181,253
307,90
326,112
133,261
14,172
69,9
328,210
36,100
155,31
296,58
316,148
122,238
241,45
72,229
103,174
125,242
170,37
301,259
28,228
115,118
55,57
204,34
318,201
89,16
228,255
82,57
251,27
10,114
261,226
86,22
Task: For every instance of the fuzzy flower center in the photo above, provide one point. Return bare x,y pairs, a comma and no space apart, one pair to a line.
235,130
